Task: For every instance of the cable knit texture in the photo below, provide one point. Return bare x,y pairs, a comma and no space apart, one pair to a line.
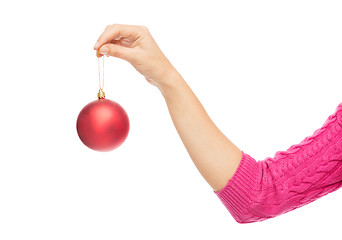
264,189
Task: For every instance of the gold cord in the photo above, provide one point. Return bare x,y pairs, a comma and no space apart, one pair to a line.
101,94
98,57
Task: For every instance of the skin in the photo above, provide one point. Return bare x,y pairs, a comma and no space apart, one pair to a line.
213,154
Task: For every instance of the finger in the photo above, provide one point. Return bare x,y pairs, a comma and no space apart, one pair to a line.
118,51
116,42
117,31
122,42
99,54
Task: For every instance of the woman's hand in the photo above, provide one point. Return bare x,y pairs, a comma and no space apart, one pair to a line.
136,45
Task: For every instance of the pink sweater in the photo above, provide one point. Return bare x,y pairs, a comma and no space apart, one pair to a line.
291,179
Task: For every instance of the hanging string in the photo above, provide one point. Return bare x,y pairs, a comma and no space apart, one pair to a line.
101,94
101,81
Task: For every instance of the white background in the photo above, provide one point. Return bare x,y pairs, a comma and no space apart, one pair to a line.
267,72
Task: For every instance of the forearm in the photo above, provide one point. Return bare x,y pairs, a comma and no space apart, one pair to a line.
214,155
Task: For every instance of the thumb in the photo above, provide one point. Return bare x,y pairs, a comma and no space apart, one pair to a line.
118,51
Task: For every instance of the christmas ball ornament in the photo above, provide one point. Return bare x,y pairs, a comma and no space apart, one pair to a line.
103,124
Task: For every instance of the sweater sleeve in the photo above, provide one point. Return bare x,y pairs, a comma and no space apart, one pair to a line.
264,189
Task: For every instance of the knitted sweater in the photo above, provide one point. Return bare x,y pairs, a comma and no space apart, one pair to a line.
264,189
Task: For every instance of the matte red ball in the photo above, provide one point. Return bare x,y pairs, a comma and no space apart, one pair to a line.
102,125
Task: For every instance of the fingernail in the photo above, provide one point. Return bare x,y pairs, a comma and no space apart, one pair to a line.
104,50
97,44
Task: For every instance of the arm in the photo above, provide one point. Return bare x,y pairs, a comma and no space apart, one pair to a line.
251,190
305,172
214,155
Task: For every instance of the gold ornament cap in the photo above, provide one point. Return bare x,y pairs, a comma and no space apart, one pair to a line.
101,94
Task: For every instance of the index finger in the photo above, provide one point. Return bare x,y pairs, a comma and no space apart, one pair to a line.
116,31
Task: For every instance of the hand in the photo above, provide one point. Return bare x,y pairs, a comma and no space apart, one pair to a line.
136,45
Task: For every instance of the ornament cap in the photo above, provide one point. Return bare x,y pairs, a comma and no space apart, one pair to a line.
101,94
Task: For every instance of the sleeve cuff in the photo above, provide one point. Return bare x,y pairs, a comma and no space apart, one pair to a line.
238,194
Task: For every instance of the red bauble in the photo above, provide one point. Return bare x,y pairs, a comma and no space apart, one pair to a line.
102,125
